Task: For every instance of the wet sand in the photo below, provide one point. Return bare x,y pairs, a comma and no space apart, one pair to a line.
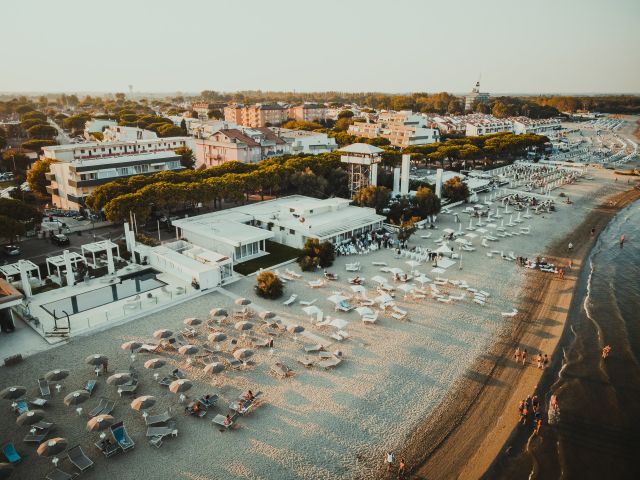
475,425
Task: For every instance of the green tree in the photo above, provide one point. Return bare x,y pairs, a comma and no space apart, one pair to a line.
268,285
167,130
426,203
373,197
42,131
346,114
455,189
10,228
15,160
406,229
187,159
36,176
36,144
326,254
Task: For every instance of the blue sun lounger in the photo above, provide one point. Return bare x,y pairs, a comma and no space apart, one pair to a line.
10,453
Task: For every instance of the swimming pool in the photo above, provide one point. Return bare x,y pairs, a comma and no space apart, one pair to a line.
130,285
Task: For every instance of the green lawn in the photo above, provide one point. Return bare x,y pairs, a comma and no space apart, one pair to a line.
278,253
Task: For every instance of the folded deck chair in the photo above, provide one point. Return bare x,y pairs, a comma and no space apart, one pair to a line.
370,318
157,419
58,474
290,301
10,453
43,386
102,404
313,348
79,459
121,437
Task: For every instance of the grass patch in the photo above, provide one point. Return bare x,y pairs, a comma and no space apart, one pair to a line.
278,253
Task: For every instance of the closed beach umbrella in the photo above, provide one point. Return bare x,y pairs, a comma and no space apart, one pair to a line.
99,423
56,375
188,350
11,393
213,368
132,345
96,359
243,326
243,353
30,417
76,398
266,315
179,386
154,363
192,322
218,312
119,378
162,333
52,447
6,469
242,301
143,402
217,337
295,328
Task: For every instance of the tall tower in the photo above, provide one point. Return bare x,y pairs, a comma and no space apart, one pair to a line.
362,160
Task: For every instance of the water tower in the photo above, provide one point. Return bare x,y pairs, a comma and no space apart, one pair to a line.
363,160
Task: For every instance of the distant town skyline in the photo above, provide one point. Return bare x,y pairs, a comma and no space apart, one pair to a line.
572,47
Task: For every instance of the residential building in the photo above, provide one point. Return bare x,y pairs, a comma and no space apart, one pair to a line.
117,133
258,115
475,97
402,129
302,141
308,112
537,126
486,125
202,109
81,167
248,145
241,232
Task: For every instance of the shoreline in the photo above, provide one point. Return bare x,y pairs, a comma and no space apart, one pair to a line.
466,433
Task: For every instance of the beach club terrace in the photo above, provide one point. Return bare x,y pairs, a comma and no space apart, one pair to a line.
242,231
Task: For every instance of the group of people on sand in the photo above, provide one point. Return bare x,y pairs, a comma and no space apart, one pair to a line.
530,407
390,459
520,356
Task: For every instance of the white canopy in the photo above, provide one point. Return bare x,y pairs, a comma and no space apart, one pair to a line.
338,323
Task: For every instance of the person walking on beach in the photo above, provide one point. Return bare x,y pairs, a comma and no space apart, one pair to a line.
545,361
570,246
402,469
524,356
539,360
538,425
622,240
389,460
605,351
516,355
520,410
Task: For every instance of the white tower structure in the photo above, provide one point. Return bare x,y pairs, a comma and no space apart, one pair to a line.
363,160
439,173
404,174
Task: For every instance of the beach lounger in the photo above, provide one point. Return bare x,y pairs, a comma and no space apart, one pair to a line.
313,348
371,318
102,404
260,342
309,303
220,419
58,474
149,348
293,274
90,386
399,316
306,362
43,386
20,407
119,433
209,403
108,449
79,459
36,438
128,388
280,370
157,419
10,453
316,283
290,301
330,362
162,431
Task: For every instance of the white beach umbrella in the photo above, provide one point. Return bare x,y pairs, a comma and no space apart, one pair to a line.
192,322
413,263
396,270
218,312
243,325
213,368
359,289
266,315
422,279
143,402
154,363
162,333
119,378
311,310
379,279
242,301
217,337
471,235
243,354
180,386
383,298
188,350
406,288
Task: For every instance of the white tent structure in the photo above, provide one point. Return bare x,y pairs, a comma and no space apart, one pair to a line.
103,248
12,271
67,261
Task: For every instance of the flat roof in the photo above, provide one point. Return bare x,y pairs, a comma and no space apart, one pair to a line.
231,230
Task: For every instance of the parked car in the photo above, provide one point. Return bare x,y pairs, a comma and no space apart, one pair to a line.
60,239
11,250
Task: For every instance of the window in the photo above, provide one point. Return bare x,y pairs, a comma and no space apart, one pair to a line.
282,229
292,231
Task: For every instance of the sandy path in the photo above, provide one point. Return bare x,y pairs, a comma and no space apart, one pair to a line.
465,435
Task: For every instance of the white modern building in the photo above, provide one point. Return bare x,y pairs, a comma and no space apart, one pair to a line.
97,125
402,129
242,232
81,167
302,141
118,133
537,126
486,126
476,96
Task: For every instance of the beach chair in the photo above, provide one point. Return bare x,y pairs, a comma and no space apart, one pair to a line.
79,459
210,402
306,362
129,387
10,453
36,438
316,283
163,430
20,407
90,386
43,386
290,301
280,370
330,362
102,403
220,421
121,437
370,318
108,449
157,419
308,303
149,348
313,348
292,273
58,474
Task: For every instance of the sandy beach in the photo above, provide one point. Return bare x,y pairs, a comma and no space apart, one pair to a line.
410,386
470,439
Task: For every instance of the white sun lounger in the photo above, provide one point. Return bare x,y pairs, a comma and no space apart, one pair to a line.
512,313
316,283
293,274
370,318
290,301
308,303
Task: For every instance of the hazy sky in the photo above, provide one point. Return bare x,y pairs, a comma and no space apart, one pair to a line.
346,45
